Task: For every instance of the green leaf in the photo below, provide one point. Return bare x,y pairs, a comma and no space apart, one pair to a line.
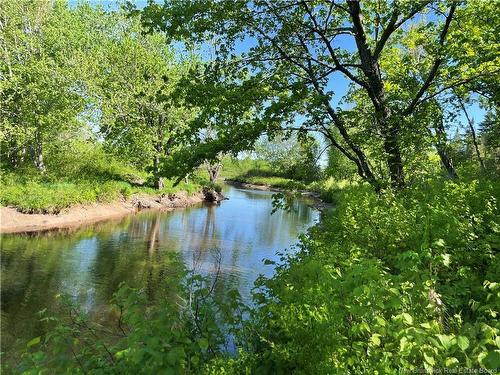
34,341
407,318
429,359
203,343
380,321
463,342
440,243
122,353
446,341
492,360
451,362
446,259
375,339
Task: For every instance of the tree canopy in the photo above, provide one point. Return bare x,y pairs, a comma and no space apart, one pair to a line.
398,58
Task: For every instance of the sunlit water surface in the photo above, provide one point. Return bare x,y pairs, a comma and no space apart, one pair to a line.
91,262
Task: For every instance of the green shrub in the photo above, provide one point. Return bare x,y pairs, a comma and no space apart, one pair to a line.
213,186
177,331
81,160
386,283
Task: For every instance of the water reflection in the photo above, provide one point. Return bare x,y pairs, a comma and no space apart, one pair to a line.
90,263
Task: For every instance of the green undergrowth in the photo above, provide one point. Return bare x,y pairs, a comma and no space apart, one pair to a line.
48,195
404,281
384,284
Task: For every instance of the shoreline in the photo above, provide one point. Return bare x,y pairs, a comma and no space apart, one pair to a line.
318,203
12,221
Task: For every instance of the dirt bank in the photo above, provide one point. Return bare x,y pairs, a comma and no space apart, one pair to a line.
245,185
13,221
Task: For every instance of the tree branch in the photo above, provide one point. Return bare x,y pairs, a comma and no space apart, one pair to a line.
394,24
338,65
435,67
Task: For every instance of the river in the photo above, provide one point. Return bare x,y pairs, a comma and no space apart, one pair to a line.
89,263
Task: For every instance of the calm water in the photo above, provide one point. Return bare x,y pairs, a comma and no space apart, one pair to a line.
91,262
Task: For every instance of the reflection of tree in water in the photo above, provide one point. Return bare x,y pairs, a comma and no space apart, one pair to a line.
159,266
34,271
133,256
90,263
206,240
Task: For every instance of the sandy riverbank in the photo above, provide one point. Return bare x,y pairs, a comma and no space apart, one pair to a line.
13,221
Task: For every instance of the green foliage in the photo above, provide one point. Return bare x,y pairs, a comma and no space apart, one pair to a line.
213,186
36,195
338,166
177,331
235,168
331,190
87,175
258,172
388,281
296,159
398,63
43,67
32,196
385,283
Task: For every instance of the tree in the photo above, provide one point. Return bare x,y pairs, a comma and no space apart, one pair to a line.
300,49
41,70
490,136
292,157
140,119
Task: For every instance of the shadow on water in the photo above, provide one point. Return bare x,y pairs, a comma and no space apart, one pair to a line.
91,262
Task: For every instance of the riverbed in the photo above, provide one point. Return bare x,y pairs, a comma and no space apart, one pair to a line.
89,263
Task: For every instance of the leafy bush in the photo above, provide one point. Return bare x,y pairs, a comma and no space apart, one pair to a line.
83,160
331,190
177,331
386,283
213,186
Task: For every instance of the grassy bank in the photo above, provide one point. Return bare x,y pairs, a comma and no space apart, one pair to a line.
37,195
258,172
88,176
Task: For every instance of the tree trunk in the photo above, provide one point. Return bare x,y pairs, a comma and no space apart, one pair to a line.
159,150
473,133
153,235
37,153
394,160
385,121
156,173
213,170
442,149
447,163
14,156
